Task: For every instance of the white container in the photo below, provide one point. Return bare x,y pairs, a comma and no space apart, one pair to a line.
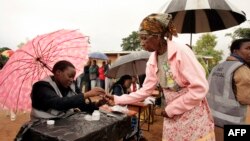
96,115
50,122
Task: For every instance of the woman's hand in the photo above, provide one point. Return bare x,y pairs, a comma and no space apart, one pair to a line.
109,96
110,99
97,91
100,102
105,100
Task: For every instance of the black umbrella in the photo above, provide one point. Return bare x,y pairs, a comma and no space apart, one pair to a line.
198,16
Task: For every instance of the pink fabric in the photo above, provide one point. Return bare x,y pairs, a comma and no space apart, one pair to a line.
189,102
23,69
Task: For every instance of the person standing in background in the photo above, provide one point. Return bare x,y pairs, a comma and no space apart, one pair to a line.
93,74
102,75
85,82
134,84
229,92
108,81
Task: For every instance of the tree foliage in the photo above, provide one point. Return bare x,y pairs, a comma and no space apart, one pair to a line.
131,43
240,33
3,49
205,46
3,59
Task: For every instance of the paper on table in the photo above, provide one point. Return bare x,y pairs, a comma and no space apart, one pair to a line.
121,109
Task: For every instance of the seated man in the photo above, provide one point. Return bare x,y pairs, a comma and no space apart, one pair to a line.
57,96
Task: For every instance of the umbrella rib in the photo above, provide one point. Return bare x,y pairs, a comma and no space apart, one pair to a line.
67,41
57,37
75,57
59,42
26,53
20,90
26,68
13,87
49,42
40,72
34,48
15,69
18,61
61,49
56,52
34,69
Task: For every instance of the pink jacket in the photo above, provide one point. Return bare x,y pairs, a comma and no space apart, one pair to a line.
187,72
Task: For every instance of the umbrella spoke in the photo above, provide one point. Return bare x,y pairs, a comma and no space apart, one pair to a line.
15,69
56,54
19,91
59,50
55,46
50,43
26,52
13,88
45,47
59,35
14,63
34,47
73,57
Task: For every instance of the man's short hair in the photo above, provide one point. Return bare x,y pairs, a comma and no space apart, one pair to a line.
236,44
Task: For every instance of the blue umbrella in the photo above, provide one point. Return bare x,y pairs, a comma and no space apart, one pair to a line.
98,55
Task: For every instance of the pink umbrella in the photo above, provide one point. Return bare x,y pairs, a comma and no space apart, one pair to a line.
35,60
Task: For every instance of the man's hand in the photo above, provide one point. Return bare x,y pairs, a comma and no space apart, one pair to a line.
94,92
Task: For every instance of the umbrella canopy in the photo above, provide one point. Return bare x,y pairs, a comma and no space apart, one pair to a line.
98,55
35,60
131,64
197,16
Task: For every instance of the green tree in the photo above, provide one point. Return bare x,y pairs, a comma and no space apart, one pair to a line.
240,33
3,59
205,47
3,49
131,43
21,44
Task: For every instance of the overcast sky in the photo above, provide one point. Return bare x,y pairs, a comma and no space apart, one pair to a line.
105,21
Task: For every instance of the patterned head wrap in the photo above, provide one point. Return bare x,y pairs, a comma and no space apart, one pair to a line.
158,24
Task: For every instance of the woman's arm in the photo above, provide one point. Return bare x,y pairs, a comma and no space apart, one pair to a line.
146,90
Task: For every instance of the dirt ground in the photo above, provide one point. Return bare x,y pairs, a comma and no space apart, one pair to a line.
9,129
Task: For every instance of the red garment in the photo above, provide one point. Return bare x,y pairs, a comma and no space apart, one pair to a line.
101,73
134,87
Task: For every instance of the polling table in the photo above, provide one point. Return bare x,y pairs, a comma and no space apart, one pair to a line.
77,128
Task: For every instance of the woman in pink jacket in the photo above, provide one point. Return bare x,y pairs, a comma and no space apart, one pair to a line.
175,68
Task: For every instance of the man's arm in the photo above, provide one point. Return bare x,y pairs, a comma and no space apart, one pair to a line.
241,84
44,97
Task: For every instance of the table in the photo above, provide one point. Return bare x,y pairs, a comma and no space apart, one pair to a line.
76,128
140,107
